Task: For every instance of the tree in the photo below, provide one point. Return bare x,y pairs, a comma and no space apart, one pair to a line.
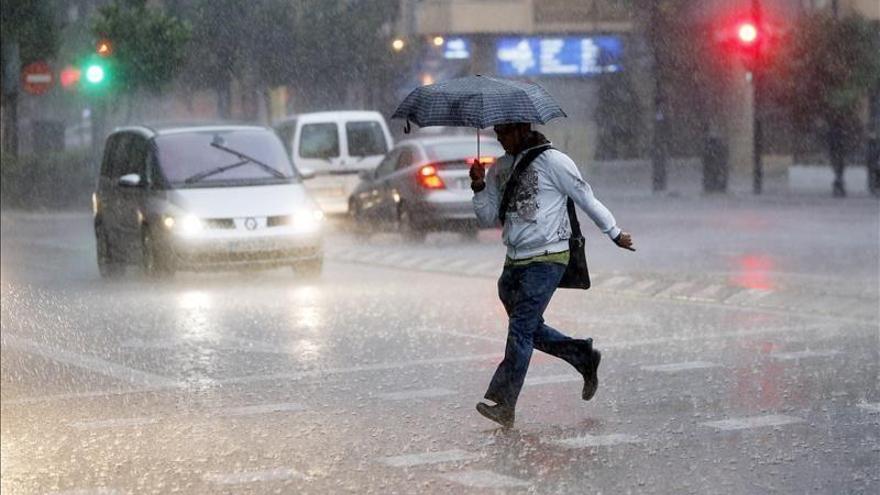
825,70
324,48
29,33
254,43
149,46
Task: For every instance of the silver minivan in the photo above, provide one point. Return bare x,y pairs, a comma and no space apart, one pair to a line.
202,197
336,145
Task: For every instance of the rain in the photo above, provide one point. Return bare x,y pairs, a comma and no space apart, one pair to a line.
267,246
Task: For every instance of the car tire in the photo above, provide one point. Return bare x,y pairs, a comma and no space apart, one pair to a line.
108,267
357,222
155,259
309,269
408,227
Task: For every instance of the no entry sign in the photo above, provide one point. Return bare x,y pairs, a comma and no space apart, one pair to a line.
37,78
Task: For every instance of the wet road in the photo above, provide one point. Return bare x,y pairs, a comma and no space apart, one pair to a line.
740,356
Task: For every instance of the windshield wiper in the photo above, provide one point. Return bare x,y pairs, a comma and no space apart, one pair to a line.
245,159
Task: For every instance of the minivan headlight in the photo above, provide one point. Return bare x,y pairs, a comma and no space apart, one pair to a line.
307,219
185,225
190,224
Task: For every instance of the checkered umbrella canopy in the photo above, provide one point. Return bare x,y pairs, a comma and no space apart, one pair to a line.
478,101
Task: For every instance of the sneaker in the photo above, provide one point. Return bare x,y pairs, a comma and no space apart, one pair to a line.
591,378
503,415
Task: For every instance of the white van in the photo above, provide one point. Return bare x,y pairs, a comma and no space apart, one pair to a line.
336,146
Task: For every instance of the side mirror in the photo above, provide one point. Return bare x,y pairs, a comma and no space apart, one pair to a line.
366,174
130,180
307,173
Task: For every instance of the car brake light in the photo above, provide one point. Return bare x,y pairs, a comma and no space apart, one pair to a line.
429,179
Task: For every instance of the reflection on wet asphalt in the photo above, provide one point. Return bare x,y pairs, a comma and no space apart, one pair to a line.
739,378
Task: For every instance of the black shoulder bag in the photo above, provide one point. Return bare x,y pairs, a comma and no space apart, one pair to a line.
577,275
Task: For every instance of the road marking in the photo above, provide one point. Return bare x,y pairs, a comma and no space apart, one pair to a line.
226,343
278,474
613,282
748,296
87,491
261,409
417,394
674,290
80,395
709,293
676,367
410,460
642,286
461,334
871,408
791,356
113,423
753,422
89,363
484,479
548,379
586,441
355,369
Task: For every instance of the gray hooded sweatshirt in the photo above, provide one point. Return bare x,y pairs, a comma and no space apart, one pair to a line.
536,221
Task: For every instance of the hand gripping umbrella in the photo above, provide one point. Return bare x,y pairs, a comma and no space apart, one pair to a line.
478,101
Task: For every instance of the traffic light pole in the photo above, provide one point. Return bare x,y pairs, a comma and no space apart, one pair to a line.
756,80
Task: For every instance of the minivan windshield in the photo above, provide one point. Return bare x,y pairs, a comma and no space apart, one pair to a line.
365,138
186,155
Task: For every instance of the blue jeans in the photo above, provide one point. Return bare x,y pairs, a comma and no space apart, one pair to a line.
525,292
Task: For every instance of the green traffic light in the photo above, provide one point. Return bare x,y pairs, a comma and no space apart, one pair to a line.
95,74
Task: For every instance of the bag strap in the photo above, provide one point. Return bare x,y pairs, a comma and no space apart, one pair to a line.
573,219
513,181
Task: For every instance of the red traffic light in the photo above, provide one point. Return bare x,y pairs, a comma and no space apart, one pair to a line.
69,77
747,33
104,47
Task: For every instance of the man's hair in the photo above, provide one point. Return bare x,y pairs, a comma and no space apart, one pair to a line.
510,127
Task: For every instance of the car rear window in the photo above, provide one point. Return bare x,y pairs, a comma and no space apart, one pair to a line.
185,154
458,150
319,141
365,138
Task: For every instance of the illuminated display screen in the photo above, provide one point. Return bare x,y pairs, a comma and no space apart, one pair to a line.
558,56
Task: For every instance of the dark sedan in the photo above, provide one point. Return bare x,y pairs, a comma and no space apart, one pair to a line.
421,185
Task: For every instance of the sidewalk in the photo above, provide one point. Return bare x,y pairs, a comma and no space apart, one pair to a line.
685,176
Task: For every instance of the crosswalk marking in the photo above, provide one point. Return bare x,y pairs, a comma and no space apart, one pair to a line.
675,367
484,479
585,441
113,423
417,394
261,409
410,460
711,292
87,491
545,380
239,478
753,422
792,356
747,296
89,363
674,290
872,408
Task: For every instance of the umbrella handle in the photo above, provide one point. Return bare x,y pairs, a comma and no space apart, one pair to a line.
407,128
478,145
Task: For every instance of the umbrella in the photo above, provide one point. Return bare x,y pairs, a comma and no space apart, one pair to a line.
478,101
